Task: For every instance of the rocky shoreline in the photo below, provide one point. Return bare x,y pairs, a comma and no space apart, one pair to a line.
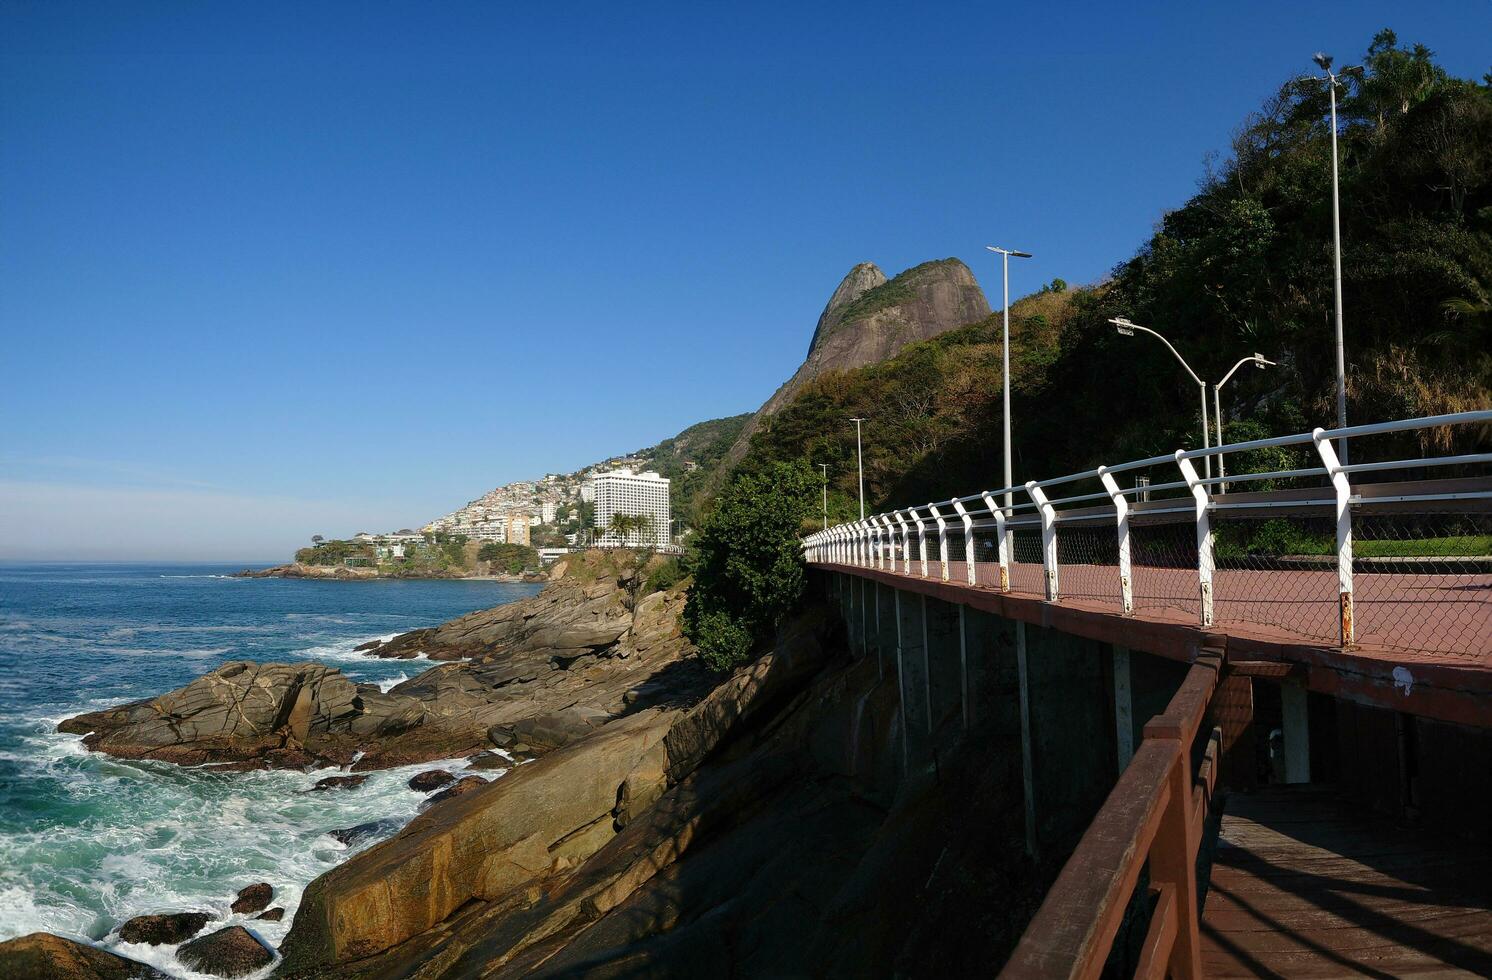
663,821
353,573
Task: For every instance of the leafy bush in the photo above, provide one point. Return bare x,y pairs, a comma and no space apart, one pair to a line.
746,562
334,552
664,575
511,558
723,641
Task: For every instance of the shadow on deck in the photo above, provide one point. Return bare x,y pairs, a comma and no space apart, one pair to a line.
1305,884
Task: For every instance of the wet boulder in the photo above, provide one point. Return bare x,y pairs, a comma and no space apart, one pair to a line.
230,952
165,929
43,955
338,782
430,780
463,786
363,832
253,898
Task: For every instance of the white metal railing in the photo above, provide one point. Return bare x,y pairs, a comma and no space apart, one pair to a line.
890,541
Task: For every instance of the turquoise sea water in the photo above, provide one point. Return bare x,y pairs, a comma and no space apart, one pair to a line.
87,841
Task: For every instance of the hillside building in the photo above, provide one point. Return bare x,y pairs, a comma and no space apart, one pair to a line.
635,494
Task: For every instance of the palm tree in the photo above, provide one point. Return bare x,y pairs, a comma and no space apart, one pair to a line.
622,525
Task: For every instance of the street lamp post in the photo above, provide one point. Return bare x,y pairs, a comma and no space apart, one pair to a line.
825,468
1127,329
1005,254
860,465
1323,61
1259,361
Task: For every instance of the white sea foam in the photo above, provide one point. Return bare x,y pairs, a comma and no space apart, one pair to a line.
214,833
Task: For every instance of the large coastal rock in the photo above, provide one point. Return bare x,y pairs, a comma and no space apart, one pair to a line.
252,715
540,672
169,928
42,956
502,843
230,952
870,318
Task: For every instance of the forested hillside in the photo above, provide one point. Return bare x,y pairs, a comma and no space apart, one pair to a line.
1243,266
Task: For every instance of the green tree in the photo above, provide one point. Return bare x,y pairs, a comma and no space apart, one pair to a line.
746,562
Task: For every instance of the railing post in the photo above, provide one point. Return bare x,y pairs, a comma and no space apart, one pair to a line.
906,554
887,543
1204,534
1343,488
1121,514
958,506
921,540
1002,540
865,544
942,539
1048,538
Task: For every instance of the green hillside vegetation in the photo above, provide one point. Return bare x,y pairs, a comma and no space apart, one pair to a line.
703,444
510,558
1243,266
336,552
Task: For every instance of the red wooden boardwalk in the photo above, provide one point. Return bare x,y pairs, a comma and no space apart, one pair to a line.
1304,886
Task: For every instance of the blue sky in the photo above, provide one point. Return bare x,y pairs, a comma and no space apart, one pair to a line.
274,269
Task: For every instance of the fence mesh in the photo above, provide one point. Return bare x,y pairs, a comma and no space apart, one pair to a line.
1423,581
1277,571
1163,564
1027,574
1088,562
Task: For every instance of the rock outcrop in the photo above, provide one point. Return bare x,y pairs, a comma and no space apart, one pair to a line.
253,898
295,569
169,928
42,956
248,715
494,845
230,952
870,318
587,649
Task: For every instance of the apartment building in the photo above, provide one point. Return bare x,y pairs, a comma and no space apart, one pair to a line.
635,494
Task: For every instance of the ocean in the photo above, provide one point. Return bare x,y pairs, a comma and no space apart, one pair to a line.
87,841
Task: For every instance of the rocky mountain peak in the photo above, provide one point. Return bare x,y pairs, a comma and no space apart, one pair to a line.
856,283
870,318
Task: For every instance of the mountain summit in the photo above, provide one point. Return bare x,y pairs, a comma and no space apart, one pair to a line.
869,318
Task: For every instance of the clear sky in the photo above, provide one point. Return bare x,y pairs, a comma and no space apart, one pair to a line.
276,269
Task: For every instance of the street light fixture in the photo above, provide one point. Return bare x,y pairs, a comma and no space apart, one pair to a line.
1005,254
1127,328
1259,361
1323,61
860,465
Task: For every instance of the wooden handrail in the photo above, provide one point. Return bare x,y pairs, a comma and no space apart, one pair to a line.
1154,813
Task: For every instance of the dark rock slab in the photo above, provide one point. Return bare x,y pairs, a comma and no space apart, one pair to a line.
164,929
463,786
271,915
253,898
431,779
338,782
230,952
353,836
42,956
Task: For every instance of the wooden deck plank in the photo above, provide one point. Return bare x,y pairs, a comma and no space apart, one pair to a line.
1303,887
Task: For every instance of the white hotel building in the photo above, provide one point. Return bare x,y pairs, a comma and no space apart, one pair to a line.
625,492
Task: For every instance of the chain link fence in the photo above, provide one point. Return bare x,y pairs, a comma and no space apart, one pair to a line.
1423,581
1163,565
1278,571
